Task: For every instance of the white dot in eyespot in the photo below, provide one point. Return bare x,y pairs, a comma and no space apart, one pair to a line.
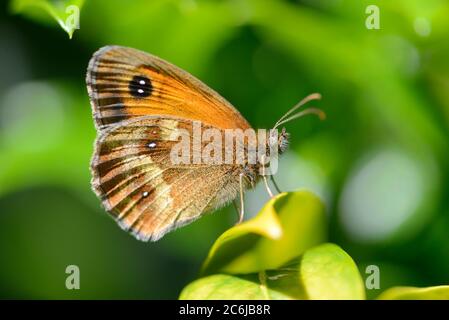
145,194
140,90
152,144
142,82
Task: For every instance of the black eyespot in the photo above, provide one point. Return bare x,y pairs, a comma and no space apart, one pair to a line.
140,87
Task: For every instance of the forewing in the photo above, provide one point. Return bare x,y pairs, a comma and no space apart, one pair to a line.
125,83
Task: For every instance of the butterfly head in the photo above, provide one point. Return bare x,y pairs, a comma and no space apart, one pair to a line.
279,140
283,140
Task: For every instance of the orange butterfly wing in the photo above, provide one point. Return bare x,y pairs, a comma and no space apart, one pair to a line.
124,83
138,100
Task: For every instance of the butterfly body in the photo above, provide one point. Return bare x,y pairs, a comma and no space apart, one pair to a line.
142,106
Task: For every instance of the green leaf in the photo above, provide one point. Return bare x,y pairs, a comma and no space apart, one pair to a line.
262,286
328,272
65,12
323,272
288,224
412,293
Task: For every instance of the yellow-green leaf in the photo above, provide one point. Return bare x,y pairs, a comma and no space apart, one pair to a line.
413,293
328,272
323,272
65,12
273,285
286,226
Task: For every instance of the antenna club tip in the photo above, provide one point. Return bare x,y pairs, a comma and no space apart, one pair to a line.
315,96
322,115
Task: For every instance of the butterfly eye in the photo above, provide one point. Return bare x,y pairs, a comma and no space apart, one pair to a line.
140,87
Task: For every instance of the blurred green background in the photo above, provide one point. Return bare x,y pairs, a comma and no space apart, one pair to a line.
380,161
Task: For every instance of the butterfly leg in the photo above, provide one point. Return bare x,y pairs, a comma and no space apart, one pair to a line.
242,204
264,177
275,184
236,208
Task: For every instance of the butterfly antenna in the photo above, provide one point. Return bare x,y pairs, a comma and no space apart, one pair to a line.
310,97
315,111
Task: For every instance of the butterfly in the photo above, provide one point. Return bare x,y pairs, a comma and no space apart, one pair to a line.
139,104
